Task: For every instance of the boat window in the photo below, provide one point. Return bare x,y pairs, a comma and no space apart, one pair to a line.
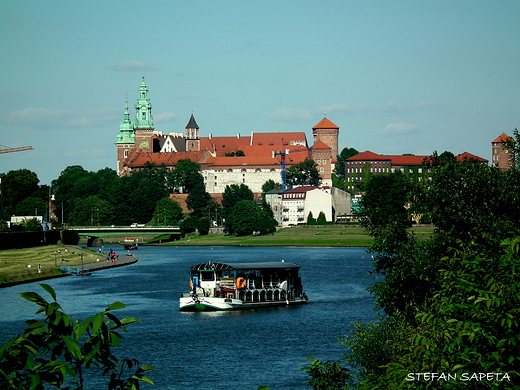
207,275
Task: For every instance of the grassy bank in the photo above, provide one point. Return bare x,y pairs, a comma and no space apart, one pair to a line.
321,236
13,262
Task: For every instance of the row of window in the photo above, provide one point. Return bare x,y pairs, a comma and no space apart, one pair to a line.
381,170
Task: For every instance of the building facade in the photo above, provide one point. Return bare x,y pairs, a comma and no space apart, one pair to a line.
293,206
362,165
260,158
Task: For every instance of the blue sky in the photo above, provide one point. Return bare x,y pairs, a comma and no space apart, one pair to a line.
395,76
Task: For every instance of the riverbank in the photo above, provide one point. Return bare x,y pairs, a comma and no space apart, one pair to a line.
46,262
314,236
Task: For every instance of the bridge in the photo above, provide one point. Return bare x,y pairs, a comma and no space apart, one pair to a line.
101,231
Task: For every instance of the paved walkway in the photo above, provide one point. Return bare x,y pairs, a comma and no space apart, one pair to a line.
103,264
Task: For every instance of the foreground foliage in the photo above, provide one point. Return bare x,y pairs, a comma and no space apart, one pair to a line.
451,302
58,351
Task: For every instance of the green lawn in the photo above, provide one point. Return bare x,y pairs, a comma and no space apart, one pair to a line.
13,262
325,236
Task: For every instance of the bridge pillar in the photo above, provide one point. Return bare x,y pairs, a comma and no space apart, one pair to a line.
95,242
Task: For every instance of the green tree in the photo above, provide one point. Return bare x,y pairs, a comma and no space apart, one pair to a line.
186,176
321,220
32,205
18,186
73,183
167,212
310,219
203,226
91,211
31,225
245,218
138,193
270,185
233,194
58,350
304,174
330,375
199,200
442,296
339,167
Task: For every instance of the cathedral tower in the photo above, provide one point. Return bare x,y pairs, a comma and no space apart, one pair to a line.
143,124
125,140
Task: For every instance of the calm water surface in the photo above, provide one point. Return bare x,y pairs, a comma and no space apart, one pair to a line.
216,351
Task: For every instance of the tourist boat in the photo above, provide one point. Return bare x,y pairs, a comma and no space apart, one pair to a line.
232,286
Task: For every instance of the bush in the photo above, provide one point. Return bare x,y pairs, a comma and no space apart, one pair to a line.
203,225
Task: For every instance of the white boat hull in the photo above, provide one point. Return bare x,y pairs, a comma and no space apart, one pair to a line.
201,303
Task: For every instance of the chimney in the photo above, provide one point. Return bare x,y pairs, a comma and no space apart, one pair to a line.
238,136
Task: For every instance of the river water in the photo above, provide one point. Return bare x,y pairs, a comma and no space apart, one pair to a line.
239,350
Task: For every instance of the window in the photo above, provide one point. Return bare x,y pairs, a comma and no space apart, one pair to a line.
143,115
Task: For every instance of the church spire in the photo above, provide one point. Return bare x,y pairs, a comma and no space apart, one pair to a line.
126,129
143,107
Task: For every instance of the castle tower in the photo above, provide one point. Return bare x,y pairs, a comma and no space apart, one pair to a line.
502,158
327,132
125,140
192,135
143,124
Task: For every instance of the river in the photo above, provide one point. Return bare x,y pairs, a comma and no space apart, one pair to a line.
239,350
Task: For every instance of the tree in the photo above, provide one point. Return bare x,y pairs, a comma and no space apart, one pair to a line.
449,300
199,200
233,194
18,186
321,220
31,225
167,212
57,351
186,176
310,219
91,211
339,167
270,185
304,174
245,218
203,226
138,193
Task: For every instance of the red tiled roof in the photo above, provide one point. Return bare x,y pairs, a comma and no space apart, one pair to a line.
321,145
169,159
300,189
368,155
274,140
406,159
502,138
469,156
325,124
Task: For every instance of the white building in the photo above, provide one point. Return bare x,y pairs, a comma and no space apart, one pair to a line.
293,206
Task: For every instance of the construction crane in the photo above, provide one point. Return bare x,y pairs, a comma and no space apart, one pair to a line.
282,153
6,149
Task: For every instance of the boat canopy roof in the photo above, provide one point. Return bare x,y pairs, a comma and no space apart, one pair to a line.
243,266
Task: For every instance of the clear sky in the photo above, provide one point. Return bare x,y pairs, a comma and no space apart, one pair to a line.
396,76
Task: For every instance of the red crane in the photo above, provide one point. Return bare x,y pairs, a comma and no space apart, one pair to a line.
6,149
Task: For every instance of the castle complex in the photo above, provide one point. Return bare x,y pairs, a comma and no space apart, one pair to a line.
251,160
